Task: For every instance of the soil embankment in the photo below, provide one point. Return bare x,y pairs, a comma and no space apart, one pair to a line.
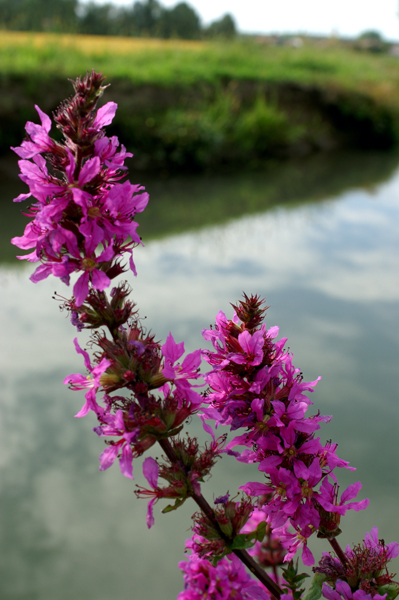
206,126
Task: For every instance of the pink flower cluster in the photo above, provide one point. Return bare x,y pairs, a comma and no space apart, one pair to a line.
139,364
254,384
269,552
183,476
228,579
343,591
364,569
83,216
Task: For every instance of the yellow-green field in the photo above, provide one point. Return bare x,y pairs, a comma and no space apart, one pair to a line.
171,62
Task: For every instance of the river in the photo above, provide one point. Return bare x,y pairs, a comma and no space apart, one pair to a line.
319,238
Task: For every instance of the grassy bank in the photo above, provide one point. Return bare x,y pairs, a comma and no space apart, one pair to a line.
204,104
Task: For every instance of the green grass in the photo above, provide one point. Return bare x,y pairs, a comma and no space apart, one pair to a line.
200,105
167,62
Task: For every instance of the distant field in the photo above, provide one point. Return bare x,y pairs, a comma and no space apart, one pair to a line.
193,104
176,61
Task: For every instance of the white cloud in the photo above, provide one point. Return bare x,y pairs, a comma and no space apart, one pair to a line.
348,18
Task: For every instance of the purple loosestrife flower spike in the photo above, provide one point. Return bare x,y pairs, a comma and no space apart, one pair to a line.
253,384
83,216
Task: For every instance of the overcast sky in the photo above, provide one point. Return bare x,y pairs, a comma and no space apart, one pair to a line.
342,17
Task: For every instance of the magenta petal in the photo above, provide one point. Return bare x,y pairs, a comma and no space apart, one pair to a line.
363,595
80,197
253,488
150,515
270,462
107,254
41,273
100,281
141,201
151,471
94,234
192,361
351,492
81,288
168,372
371,538
343,588
393,550
89,170
206,427
32,257
85,355
22,197
329,593
70,167
307,557
171,350
118,420
108,456
45,119
356,506
105,114
125,462
86,408
257,407
273,332
239,440
132,265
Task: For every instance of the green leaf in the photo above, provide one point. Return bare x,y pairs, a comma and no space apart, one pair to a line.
260,531
216,558
242,541
300,577
171,432
391,590
314,592
170,507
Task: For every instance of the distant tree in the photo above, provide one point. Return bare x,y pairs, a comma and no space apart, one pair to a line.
371,41
123,22
39,15
96,19
145,18
371,34
224,27
180,22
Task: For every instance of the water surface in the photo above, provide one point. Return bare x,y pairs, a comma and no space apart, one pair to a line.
328,264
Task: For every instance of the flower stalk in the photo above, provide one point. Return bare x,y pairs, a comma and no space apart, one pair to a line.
83,223
245,558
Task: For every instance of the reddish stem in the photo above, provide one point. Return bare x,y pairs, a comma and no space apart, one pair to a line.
338,551
241,554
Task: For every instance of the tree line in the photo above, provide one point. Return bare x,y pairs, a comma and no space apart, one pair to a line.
144,18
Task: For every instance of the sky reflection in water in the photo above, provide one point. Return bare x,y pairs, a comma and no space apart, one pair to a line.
330,273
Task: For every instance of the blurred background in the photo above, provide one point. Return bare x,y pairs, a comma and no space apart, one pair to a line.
267,136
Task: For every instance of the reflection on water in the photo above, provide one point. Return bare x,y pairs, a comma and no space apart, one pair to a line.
329,269
188,203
